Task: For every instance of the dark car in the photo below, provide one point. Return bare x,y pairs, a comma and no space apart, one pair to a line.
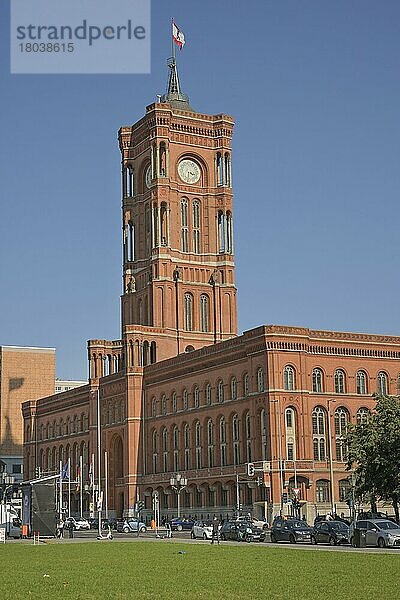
178,524
241,532
330,532
290,530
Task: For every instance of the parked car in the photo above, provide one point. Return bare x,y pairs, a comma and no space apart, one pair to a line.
178,524
330,532
290,530
378,532
256,522
202,529
78,523
131,525
241,532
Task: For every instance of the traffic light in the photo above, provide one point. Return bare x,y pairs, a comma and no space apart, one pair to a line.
37,472
250,469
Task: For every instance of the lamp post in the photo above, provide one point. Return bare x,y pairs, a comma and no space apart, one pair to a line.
178,483
331,457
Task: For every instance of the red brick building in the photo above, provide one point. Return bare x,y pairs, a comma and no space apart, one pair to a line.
180,392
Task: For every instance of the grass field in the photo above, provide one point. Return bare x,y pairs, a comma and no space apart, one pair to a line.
157,570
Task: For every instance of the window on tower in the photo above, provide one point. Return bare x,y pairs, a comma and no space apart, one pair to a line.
196,227
188,312
204,312
184,225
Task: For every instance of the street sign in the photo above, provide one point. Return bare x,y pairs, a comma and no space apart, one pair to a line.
296,491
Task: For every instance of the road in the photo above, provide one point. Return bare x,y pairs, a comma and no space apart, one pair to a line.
184,537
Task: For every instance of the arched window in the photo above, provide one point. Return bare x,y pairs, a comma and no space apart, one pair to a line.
234,388
361,382
229,233
221,232
382,381
344,490
184,225
154,450
208,393
246,384
198,445
340,381
260,379
263,432
204,313
153,407
196,227
196,397
175,439
188,311
322,491
129,183
317,381
185,400
290,425
210,443
235,437
318,428
220,169
362,416
249,453
164,404
165,449
174,402
227,169
341,422
222,441
186,442
220,391
288,378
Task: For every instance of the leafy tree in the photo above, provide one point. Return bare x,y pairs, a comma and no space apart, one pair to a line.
374,453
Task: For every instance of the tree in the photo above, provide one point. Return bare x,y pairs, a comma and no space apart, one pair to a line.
374,453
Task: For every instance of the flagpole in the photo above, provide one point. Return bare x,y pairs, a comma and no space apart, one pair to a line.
93,490
69,486
106,480
99,497
81,484
60,492
172,41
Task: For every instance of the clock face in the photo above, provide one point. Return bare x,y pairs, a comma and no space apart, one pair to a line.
189,171
148,176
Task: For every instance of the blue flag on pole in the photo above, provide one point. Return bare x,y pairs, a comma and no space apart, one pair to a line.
64,472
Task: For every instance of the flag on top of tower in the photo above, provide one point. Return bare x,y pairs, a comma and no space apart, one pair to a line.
178,35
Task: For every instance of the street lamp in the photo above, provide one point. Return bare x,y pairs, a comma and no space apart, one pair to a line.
178,483
331,458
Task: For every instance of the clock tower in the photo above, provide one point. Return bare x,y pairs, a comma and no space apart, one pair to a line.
178,263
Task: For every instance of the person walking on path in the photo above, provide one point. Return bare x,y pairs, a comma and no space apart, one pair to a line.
215,531
71,529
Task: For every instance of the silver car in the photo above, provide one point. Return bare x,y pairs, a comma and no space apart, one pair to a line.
378,532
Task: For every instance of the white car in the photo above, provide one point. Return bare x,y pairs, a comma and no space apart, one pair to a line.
202,530
78,523
256,522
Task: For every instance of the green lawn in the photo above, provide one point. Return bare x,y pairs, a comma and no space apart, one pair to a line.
157,570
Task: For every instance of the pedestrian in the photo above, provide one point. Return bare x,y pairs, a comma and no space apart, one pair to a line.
60,529
215,531
168,530
71,529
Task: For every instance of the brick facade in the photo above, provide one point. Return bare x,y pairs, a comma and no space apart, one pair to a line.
180,391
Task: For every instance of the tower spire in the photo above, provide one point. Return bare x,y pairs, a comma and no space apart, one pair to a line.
174,94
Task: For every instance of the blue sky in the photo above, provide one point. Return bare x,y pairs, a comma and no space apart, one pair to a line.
315,91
